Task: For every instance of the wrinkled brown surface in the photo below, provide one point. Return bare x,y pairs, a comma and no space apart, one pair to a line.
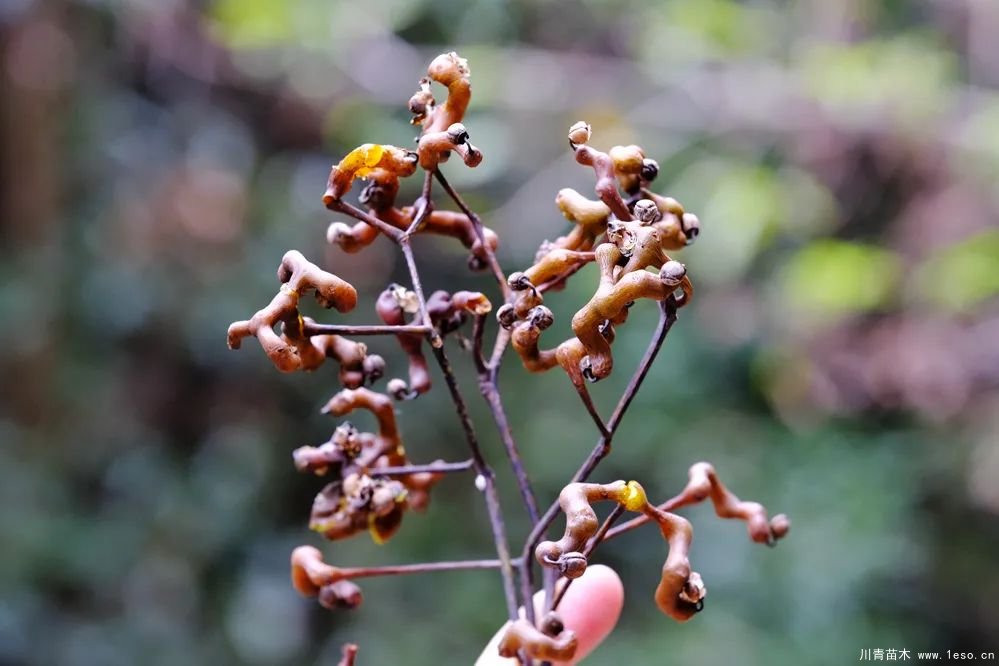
290,349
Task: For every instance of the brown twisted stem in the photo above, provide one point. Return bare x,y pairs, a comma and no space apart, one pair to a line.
727,505
591,545
705,485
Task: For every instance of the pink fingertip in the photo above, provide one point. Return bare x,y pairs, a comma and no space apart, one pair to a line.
591,607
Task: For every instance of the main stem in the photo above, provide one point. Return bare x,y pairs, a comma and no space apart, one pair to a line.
479,462
489,372
489,388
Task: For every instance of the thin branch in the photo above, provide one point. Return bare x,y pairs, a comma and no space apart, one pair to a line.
667,318
478,331
488,386
422,567
584,395
310,329
487,475
432,468
436,342
477,225
492,395
601,533
425,208
358,214
499,348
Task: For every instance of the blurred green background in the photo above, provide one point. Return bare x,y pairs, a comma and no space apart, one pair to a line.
840,362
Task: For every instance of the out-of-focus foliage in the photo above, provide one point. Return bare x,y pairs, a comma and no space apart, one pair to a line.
840,363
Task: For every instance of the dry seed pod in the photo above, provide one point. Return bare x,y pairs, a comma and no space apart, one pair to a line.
384,449
613,297
435,147
388,441
556,260
379,195
681,592
357,366
525,337
342,449
291,349
422,103
678,228
392,306
580,133
622,164
642,246
447,312
341,595
309,572
646,212
581,522
362,162
589,217
704,483
632,248
554,643
551,267
359,502
384,165
451,71
631,166
314,578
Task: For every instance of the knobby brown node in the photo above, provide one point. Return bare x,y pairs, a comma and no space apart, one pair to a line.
627,231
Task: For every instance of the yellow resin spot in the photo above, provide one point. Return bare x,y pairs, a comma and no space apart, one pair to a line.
362,159
373,531
633,497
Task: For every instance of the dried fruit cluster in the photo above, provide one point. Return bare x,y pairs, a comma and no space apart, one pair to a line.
626,231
